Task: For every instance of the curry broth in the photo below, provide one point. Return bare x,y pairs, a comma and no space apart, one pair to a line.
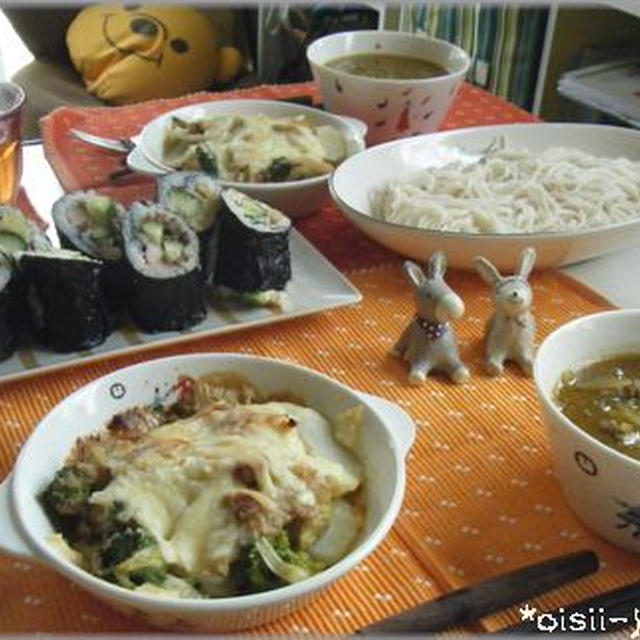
387,66
603,399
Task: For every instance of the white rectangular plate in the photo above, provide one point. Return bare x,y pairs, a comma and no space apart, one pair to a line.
316,285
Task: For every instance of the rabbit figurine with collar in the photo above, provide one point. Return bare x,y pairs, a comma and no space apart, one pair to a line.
510,332
429,343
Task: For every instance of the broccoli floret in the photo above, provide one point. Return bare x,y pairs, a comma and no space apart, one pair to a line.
207,160
250,574
145,565
282,546
68,492
279,170
122,544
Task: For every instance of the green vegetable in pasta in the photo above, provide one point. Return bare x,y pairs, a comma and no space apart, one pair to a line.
207,160
279,170
269,563
67,494
145,565
123,543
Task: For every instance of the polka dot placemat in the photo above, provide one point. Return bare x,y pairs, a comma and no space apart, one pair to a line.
481,497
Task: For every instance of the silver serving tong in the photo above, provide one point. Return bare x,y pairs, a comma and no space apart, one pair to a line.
121,145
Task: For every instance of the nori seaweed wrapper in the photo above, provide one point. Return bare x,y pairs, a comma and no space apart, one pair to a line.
162,297
253,245
66,307
9,320
114,272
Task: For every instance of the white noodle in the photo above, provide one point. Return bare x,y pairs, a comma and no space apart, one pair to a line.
515,191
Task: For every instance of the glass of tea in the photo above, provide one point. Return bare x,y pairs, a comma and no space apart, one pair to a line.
12,100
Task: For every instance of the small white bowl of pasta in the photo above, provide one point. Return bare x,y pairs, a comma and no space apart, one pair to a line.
257,450
571,191
241,151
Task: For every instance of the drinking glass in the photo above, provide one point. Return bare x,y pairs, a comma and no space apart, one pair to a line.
12,100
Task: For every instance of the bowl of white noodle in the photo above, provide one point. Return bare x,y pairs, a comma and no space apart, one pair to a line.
571,191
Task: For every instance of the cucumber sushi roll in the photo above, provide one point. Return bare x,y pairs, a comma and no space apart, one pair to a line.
8,319
195,197
91,224
253,258
18,233
166,289
64,297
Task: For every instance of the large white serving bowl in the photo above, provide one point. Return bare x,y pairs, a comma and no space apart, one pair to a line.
353,182
601,484
295,198
392,108
385,441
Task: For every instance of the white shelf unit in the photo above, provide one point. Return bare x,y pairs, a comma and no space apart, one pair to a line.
629,7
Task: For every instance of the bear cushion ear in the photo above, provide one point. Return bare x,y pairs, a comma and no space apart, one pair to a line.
415,275
437,264
527,260
486,270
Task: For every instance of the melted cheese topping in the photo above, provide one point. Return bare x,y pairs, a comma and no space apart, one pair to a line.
245,147
205,485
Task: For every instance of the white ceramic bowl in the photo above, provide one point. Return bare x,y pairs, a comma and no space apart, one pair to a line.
391,108
354,180
601,485
295,198
384,444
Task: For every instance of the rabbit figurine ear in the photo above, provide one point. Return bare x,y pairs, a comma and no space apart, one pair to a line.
527,260
415,275
486,270
437,264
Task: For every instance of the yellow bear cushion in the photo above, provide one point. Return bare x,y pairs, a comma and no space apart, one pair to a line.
129,54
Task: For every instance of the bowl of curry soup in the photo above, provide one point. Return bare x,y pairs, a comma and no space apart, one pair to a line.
587,376
400,84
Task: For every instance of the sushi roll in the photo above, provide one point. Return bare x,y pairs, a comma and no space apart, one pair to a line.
91,224
253,259
18,233
195,197
64,297
8,320
166,289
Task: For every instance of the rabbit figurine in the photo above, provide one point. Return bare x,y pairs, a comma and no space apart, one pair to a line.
510,331
429,343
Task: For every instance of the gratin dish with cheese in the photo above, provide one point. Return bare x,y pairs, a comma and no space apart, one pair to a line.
253,148
222,492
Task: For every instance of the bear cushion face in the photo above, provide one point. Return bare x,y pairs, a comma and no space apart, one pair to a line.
137,53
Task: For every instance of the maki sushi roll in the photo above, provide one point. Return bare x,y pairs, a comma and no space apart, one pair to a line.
195,197
64,298
91,224
253,260
166,289
8,319
18,233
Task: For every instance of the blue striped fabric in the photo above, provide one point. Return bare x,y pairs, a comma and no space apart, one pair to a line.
504,41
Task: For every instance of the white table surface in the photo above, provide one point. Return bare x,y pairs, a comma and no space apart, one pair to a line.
615,276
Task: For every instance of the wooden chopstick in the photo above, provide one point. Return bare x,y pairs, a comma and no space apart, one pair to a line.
466,605
614,610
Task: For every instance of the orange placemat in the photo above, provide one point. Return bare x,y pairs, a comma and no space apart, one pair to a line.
481,496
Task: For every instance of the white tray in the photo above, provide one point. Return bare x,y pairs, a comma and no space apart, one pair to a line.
316,285
612,87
